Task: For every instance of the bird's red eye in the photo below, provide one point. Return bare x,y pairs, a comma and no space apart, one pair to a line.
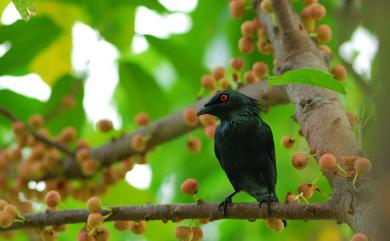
223,98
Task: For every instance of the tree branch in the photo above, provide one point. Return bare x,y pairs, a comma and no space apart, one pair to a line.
166,129
7,114
320,114
176,212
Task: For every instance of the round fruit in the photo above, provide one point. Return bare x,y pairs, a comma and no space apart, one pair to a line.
190,187
275,224
245,45
83,236
327,162
18,128
95,220
194,144
102,234
324,33
362,165
105,125
339,72
248,29
197,234
141,119
190,117
219,73
35,121
94,205
138,227
207,81
210,131
287,142
317,11
306,189
82,154
237,8
207,119
359,237
237,64
122,225
299,160
251,77
138,142
52,199
88,167
183,233
260,69
6,219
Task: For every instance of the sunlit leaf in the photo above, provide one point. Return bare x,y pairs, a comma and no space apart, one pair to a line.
309,76
27,40
25,8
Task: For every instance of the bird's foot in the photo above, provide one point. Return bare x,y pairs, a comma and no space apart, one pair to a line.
224,205
268,199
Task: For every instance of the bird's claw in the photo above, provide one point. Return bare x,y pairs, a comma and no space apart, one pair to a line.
268,200
224,205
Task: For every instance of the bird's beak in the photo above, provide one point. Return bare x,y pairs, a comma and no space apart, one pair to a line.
204,110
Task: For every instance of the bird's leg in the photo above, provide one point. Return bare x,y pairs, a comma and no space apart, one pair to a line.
227,202
268,199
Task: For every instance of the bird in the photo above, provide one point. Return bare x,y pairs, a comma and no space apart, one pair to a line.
244,146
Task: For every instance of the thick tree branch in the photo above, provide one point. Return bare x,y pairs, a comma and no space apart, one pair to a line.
320,114
176,212
166,129
7,114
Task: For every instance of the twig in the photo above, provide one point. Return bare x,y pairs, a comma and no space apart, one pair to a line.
36,135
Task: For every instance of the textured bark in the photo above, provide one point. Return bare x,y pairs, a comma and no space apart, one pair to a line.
248,211
320,114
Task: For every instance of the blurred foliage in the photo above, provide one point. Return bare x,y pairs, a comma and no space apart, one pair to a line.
43,45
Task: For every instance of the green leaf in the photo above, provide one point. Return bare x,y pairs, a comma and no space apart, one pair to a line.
308,76
151,4
20,106
27,40
25,8
138,91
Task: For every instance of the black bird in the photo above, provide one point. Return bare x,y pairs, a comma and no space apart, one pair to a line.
244,146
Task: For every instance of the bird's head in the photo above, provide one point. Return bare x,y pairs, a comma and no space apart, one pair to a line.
228,104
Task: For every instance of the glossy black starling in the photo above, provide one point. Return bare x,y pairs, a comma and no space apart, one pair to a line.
244,146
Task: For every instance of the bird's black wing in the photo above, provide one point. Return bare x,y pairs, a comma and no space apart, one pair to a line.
218,155
270,147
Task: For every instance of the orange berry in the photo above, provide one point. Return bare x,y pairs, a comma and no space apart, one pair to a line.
291,198
48,234
317,11
207,119
3,203
88,167
251,77
18,128
274,224
207,81
197,234
324,33
138,142
287,142
194,144
82,154
264,47
299,160
68,101
245,45
127,165
122,225
6,219
325,49
327,162
359,237
104,125
189,116
95,220
237,8
83,236
306,13
307,189
266,6
362,165
189,186
94,205
219,73
101,234
210,130
138,227
260,69
257,23
237,64
225,84
141,119
248,29
339,72
68,134
184,233
52,199
35,121
308,2
82,144
12,210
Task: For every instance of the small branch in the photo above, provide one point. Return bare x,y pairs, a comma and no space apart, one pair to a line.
165,129
176,212
7,114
